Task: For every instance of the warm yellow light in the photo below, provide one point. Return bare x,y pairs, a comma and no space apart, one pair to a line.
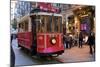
53,41
84,15
80,8
76,20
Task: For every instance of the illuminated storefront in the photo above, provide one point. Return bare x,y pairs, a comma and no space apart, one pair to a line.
85,15
71,26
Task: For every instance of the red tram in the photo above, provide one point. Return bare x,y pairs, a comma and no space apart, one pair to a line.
41,33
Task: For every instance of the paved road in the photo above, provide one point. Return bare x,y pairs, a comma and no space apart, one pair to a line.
22,57
74,54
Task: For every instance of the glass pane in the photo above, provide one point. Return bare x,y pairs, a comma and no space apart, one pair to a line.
42,24
56,24
60,19
49,21
49,24
37,21
26,26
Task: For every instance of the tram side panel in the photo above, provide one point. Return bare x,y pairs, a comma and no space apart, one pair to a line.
45,46
25,39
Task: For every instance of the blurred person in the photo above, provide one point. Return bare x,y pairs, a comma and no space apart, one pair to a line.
91,42
76,40
70,40
80,40
86,39
12,55
66,40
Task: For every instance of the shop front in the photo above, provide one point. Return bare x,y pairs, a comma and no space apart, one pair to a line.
85,15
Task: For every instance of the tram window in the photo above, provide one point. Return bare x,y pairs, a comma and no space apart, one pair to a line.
49,18
26,26
57,21
56,24
37,20
60,19
42,24
38,16
21,27
49,24
39,26
39,23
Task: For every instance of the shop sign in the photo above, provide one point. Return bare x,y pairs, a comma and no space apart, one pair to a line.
48,7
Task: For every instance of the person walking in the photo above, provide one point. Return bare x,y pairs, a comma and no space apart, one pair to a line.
91,42
80,40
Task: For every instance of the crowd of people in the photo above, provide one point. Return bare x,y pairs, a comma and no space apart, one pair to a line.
79,40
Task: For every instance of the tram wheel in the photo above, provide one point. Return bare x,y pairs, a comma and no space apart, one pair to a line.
33,52
21,47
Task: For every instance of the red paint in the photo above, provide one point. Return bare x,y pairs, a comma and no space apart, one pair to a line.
47,47
25,39
48,7
40,41
43,42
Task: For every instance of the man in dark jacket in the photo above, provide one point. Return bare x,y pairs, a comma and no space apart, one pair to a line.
80,40
12,55
91,42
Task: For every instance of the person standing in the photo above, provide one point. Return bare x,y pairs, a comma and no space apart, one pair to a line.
80,40
70,40
91,42
66,40
12,55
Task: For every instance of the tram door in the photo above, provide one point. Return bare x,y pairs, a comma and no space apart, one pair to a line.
34,42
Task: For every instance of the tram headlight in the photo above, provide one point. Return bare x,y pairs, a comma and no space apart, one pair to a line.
53,41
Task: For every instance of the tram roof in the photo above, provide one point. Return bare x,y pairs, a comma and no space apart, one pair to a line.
24,18
45,13
39,13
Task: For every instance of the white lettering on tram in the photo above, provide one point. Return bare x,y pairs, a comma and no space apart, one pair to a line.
44,13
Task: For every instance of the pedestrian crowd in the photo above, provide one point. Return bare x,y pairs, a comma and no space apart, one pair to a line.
79,40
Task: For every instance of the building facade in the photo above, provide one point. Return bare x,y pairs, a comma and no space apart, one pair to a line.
23,8
12,7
